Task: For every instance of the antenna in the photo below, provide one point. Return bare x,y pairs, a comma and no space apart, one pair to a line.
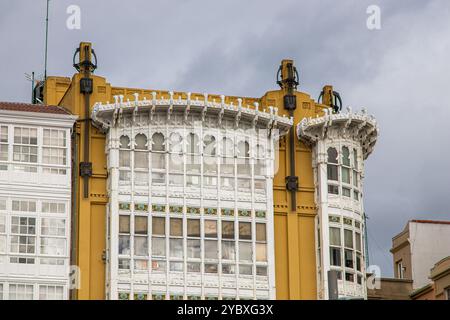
46,42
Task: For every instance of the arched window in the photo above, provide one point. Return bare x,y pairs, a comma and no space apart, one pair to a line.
345,170
209,157
176,144
209,143
124,153
243,149
243,161
140,153
158,142
158,147
227,159
193,145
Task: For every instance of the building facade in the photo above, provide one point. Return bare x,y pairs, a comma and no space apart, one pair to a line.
162,191
190,211
418,247
340,144
35,201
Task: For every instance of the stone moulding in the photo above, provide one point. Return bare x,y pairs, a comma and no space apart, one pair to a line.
107,115
358,126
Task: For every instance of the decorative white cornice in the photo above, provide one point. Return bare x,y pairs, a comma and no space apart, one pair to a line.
357,126
108,115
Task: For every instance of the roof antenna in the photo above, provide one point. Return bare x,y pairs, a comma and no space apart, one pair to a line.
46,42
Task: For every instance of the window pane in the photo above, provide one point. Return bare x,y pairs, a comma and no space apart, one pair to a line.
358,261
176,248
158,247
210,268
176,227
140,225
245,251
124,245
246,270
228,250
345,175
141,160
158,226
193,267
335,236
193,228
332,155
348,238
335,256
176,266
332,189
345,156
261,232
358,241
211,249
193,249
227,230
140,246
349,258
228,269
210,229
332,172
245,230
261,252
158,142
261,271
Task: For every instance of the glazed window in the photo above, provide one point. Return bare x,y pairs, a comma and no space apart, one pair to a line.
124,235
53,240
140,152
2,234
158,237
23,235
261,242
243,161
345,169
25,145
227,158
124,160
193,159
176,143
21,292
140,236
53,207
54,147
193,240
228,243
3,145
51,292
332,167
335,246
176,241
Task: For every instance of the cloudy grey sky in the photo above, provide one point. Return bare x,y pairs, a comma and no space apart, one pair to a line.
400,73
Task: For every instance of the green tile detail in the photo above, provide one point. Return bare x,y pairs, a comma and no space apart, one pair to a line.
124,296
141,207
193,210
176,209
211,211
227,212
140,296
158,208
244,213
334,219
348,221
260,214
124,206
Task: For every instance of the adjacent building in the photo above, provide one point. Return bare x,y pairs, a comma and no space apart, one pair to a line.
418,247
35,201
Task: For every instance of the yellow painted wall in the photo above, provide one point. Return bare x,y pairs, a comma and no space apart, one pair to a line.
294,230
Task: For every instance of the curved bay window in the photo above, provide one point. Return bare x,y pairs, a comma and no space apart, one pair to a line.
346,249
124,160
158,159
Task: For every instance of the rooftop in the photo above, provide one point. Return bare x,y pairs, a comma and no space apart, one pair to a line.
28,107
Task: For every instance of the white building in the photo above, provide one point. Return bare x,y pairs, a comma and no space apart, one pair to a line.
417,249
341,142
35,184
190,211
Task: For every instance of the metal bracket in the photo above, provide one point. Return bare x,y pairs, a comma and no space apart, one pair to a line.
86,85
86,169
292,183
290,102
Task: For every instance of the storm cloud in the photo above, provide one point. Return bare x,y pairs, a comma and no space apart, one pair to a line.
399,73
